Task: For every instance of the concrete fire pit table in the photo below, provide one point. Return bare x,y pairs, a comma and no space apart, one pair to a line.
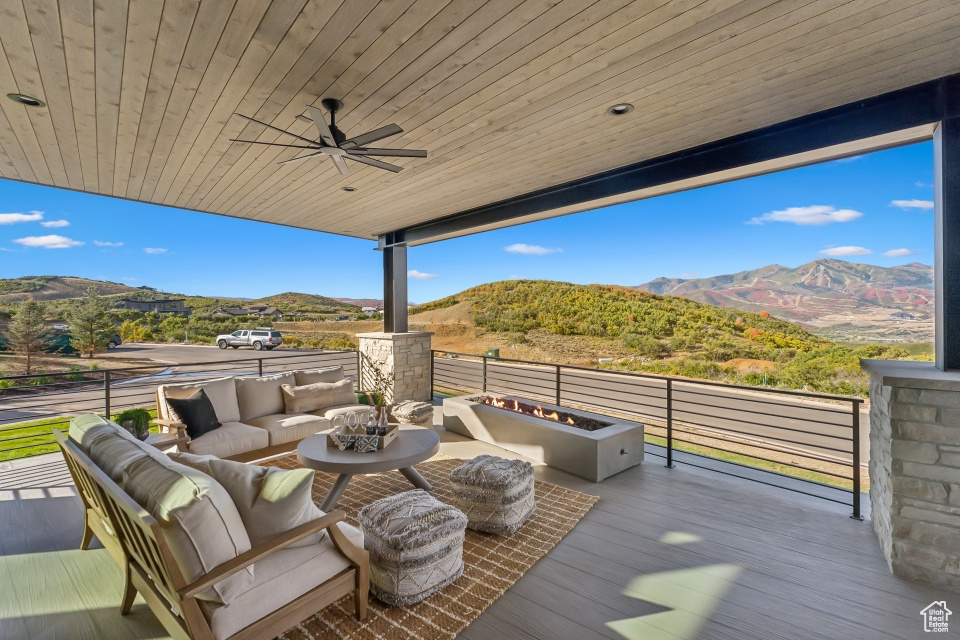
593,455
413,445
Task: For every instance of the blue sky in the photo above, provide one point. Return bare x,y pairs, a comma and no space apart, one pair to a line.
856,209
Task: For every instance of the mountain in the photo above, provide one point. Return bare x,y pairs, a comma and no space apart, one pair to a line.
812,291
362,302
307,302
56,288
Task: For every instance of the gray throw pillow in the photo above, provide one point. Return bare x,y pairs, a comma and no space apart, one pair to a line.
313,397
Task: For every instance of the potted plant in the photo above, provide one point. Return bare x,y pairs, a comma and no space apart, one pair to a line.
136,421
381,386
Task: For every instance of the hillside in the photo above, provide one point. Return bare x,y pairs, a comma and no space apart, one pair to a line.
55,288
305,302
840,299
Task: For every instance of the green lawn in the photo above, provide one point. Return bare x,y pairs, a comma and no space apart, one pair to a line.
35,437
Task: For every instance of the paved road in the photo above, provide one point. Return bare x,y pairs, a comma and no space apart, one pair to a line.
807,425
194,353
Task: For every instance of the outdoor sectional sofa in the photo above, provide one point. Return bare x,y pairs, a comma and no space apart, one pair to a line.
183,543
252,412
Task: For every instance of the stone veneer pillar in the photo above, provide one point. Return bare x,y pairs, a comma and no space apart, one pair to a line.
405,355
915,468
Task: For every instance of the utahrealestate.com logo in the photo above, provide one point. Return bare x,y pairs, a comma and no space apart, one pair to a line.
935,617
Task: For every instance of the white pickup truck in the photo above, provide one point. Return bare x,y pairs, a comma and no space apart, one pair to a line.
256,338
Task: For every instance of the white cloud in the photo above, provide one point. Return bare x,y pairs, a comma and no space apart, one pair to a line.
48,242
923,205
923,185
130,279
13,218
419,275
101,243
816,215
55,223
896,253
530,249
154,250
846,251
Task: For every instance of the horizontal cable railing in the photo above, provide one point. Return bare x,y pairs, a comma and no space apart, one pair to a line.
32,406
811,437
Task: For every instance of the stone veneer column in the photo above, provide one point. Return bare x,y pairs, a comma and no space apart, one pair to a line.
915,468
405,355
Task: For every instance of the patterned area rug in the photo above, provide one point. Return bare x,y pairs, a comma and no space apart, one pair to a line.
492,563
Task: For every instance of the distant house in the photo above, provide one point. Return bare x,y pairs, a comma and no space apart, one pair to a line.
165,305
370,310
902,315
261,311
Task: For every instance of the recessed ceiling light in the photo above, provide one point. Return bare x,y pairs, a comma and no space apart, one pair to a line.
620,109
29,101
349,189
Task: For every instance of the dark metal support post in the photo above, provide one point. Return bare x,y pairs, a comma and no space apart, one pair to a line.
433,356
669,424
484,374
946,261
855,408
558,385
260,366
360,372
395,289
106,393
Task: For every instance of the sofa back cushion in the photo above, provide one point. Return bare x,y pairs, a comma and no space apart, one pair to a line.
310,376
261,396
198,518
271,501
85,429
113,453
316,396
222,393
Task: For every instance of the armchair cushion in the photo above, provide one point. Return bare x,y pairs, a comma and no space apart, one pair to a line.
192,460
311,376
222,393
113,453
280,578
230,439
315,396
270,501
196,412
261,396
288,428
198,518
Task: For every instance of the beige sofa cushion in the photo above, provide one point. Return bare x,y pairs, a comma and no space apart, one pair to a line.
315,396
280,578
261,396
198,518
113,453
341,410
86,429
271,501
222,393
284,428
311,376
230,439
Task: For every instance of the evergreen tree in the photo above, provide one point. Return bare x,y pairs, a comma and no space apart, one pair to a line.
90,324
25,332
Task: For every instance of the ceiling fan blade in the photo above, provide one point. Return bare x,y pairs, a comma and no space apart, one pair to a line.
373,136
376,163
341,165
270,126
299,158
322,127
398,153
277,144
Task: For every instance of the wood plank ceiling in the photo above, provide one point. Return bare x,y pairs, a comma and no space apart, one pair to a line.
508,96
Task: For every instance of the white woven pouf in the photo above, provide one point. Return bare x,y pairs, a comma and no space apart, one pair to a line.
415,544
496,494
412,412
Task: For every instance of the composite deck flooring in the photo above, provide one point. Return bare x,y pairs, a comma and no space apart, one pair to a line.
698,553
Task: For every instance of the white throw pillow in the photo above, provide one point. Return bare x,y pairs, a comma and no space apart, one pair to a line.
271,501
261,396
312,397
311,376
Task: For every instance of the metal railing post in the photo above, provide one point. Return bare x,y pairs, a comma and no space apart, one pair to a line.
484,374
106,393
433,356
855,407
260,366
360,371
669,423
558,385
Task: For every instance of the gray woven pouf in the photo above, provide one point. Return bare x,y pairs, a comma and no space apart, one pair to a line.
415,544
412,412
496,494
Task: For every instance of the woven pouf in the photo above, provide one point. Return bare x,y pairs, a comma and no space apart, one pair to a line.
496,494
415,544
412,412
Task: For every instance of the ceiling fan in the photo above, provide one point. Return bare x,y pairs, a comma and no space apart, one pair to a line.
335,144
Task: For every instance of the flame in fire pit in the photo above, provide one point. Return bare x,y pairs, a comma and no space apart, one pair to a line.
573,420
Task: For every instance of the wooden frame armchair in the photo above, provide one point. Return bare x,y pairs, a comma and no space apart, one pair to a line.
151,570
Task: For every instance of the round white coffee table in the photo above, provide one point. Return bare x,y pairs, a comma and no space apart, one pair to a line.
413,445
